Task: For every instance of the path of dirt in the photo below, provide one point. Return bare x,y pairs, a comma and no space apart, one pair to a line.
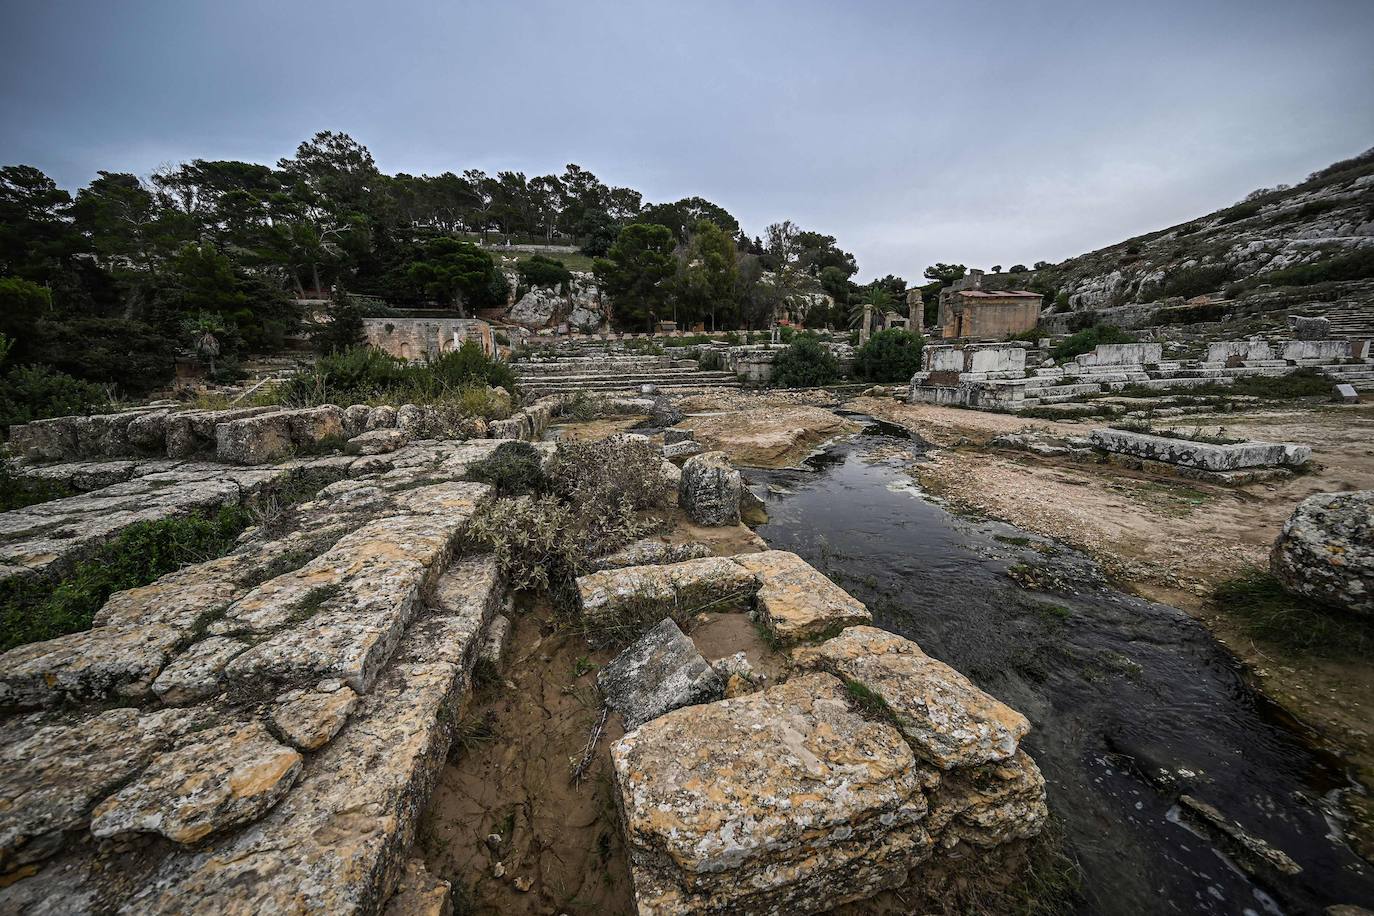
508,776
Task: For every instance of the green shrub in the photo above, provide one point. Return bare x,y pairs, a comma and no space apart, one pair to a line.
1085,341
1031,336
513,469
37,392
893,355
366,374
545,272
1194,281
1190,314
1357,265
806,363
1241,211
710,360
33,608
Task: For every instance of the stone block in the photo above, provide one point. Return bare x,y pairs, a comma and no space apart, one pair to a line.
355,419
709,490
625,598
649,552
946,719
381,418
1315,351
310,719
313,427
660,671
1347,394
781,801
494,645
376,442
682,450
1205,456
260,439
1325,551
673,436
796,601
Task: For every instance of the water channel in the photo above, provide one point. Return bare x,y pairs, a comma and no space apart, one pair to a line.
1134,705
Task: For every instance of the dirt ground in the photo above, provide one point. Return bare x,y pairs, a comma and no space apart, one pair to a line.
507,797
1172,539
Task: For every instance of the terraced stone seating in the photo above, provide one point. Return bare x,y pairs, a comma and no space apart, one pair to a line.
617,374
257,733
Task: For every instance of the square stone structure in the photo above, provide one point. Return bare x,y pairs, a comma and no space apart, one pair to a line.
418,338
968,310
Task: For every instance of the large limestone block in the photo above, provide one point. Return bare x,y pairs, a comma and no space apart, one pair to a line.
796,600
646,594
709,490
649,552
947,720
659,672
255,440
216,779
1326,550
782,801
312,427
52,772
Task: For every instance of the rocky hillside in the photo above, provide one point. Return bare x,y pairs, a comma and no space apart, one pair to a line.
1314,239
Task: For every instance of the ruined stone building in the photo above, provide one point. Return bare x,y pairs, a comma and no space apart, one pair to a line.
418,338
968,310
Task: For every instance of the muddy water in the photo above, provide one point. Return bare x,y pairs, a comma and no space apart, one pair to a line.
1134,705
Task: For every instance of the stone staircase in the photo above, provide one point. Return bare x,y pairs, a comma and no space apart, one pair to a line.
1349,318
1358,375
615,374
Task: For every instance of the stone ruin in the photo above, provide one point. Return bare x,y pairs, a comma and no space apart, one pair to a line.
260,732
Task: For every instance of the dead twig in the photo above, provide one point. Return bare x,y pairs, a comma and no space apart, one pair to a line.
582,762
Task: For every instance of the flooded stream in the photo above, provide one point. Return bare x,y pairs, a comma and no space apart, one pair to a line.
1136,709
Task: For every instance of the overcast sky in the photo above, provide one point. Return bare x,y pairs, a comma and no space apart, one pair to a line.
978,132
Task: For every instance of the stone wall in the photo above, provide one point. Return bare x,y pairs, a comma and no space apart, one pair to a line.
422,338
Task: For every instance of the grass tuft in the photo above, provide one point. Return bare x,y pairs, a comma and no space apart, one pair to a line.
1297,625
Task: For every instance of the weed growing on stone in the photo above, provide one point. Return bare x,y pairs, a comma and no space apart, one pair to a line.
1299,626
33,608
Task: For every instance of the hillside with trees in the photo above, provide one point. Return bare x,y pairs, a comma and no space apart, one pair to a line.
107,285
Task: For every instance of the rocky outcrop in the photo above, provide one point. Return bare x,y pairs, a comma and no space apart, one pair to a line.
709,491
795,601
1326,551
581,306
282,711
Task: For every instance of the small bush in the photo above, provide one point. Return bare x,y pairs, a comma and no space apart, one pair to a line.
33,609
1194,281
1357,265
710,361
513,469
889,356
37,392
1241,211
545,272
806,363
1085,341
368,375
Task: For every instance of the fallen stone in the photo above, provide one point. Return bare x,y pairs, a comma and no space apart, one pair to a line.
310,719
410,420
1205,456
682,450
709,491
383,417
355,419
217,779
313,427
782,801
255,440
1347,394
796,601
1253,853
660,671
1325,551
946,719
674,436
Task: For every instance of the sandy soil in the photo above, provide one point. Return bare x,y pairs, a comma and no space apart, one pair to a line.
1172,539
768,436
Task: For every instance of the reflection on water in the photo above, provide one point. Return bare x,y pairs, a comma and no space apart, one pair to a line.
1134,705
